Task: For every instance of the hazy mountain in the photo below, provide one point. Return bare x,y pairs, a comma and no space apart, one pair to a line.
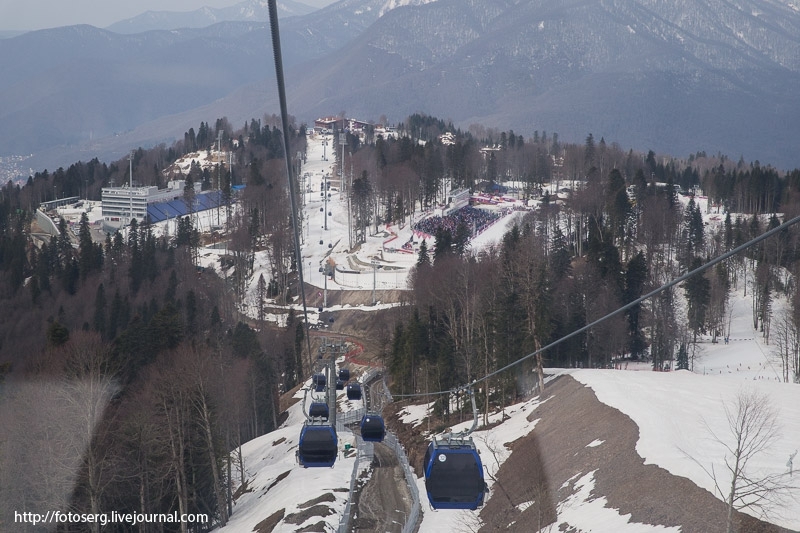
693,75
79,83
78,92
7,34
247,11
677,77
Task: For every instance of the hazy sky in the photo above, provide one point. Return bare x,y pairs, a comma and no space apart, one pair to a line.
39,14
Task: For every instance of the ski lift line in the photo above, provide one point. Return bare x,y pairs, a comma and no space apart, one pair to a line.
622,309
276,51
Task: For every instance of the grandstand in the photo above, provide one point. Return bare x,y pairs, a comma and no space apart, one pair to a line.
477,220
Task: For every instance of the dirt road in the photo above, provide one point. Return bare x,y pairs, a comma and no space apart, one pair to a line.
384,501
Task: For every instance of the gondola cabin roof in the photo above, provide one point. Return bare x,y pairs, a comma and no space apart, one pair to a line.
319,381
372,428
318,446
353,391
319,410
454,475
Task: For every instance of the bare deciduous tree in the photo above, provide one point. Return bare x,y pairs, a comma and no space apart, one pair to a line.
787,345
754,429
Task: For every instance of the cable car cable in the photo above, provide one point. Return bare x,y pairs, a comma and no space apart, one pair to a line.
276,52
318,444
622,309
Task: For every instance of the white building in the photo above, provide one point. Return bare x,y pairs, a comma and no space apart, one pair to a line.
120,203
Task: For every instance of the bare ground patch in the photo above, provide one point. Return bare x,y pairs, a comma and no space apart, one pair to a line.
278,479
319,527
305,514
327,497
269,523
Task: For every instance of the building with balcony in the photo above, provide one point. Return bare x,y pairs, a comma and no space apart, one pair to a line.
120,204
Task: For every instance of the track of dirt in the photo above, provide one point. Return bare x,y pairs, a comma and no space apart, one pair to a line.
314,296
372,329
384,500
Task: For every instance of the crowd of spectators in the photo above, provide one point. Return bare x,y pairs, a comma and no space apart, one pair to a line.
476,220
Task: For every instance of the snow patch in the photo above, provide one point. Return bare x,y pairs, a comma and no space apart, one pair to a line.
393,4
581,512
524,505
414,414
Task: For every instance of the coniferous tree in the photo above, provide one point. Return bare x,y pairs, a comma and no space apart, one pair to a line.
100,311
292,362
422,257
589,153
86,248
191,313
43,267
560,257
461,239
57,334
172,288
135,271
261,294
682,362
70,276
444,243
698,294
729,235
618,205
361,201
635,278
166,327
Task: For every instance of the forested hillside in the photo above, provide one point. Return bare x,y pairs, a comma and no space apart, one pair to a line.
128,373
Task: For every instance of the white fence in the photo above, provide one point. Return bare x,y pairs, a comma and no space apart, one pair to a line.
392,442
363,460
388,279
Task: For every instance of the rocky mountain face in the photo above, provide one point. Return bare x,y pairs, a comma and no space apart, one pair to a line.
689,75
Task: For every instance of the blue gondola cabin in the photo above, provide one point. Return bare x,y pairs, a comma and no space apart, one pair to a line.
454,476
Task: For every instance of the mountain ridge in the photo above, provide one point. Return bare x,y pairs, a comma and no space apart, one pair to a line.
247,11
